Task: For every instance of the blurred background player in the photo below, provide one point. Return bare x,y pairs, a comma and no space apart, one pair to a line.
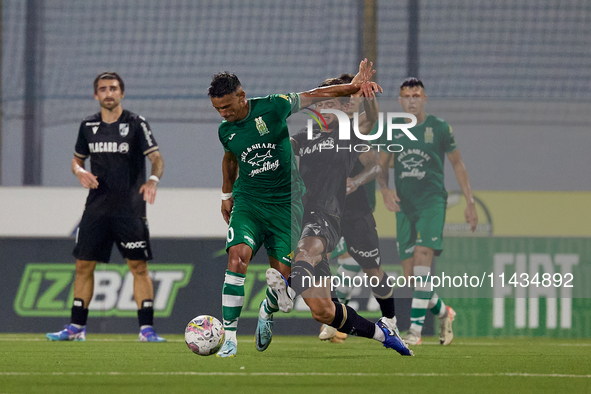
117,142
261,193
359,246
325,164
420,201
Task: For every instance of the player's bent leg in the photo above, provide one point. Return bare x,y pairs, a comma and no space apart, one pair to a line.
280,290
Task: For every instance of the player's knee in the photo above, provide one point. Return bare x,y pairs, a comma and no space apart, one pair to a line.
84,268
238,258
138,268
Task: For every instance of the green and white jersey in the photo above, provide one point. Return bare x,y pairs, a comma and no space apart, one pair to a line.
262,146
418,169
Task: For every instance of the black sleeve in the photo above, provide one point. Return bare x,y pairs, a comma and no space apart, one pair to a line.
147,142
81,150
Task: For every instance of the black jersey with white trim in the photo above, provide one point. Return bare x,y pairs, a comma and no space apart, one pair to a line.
325,164
117,158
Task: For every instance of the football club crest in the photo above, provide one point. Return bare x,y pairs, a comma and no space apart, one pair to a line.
261,125
428,135
124,129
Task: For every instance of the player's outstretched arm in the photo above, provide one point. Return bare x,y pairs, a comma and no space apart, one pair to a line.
371,169
149,188
229,175
462,176
390,197
361,81
86,178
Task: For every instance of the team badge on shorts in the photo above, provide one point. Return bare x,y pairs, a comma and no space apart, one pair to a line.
123,129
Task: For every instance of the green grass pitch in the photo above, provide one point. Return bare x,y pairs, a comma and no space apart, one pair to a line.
120,364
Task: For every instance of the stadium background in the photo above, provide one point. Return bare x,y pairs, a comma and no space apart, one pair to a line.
512,78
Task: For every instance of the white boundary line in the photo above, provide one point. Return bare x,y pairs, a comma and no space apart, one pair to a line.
401,374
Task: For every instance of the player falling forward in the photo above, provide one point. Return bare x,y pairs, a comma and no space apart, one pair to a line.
420,201
117,142
262,205
360,241
325,164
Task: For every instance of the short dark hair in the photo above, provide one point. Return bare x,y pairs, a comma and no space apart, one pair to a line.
109,75
222,84
331,82
347,78
411,82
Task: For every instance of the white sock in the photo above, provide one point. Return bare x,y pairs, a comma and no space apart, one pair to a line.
378,335
78,326
231,336
262,313
145,326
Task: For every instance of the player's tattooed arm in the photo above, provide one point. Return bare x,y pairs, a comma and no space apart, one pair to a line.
229,175
462,176
371,169
86,178
149,188
390,197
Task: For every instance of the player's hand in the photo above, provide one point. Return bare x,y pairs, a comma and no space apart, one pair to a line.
391,200
369,90
365,73
471,216
87,179
227,206
351,185
149,191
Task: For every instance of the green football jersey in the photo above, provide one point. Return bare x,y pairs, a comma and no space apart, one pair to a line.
267,170
418,168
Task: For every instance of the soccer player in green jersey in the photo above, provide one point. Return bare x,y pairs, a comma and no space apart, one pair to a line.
261,191
420,200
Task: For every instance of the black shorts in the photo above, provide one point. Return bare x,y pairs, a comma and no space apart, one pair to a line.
323,225
362,240
96,234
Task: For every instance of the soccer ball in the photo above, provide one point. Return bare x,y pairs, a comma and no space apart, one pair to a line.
204,335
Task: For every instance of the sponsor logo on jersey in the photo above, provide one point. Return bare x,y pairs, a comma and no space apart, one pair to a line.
428,135
257,160
267,166
124,147
107,147
254,147
124,129
261,126
148,134
94,129
413,164
326,144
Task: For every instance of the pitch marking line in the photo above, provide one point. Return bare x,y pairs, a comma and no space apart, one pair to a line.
506,374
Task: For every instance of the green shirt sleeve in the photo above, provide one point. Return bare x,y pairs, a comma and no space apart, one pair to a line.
286,104
449,141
